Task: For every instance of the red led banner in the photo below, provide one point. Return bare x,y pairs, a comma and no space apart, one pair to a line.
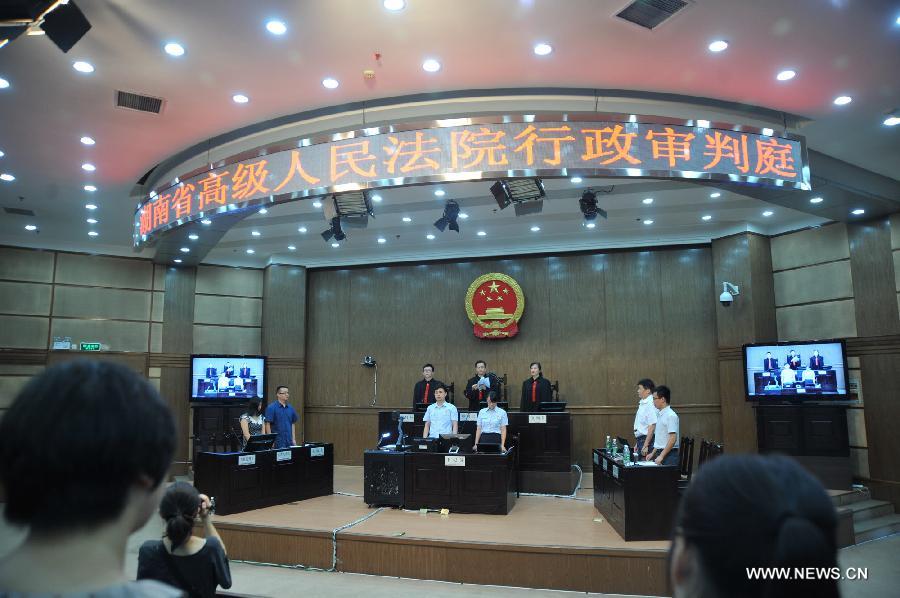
477,149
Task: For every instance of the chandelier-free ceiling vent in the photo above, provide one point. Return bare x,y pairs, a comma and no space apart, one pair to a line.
19,212
651,13
141,103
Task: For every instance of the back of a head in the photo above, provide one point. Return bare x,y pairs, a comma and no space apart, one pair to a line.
749,511
75,440
178,507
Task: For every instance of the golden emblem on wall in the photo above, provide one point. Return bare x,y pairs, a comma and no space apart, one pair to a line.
494,304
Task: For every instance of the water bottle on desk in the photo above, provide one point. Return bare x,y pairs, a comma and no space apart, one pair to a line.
608,445
626,456
615,447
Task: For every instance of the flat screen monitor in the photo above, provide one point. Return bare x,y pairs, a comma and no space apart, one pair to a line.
260,442
228,378
796,371
552,406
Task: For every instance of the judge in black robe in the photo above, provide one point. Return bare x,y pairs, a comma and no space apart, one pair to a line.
423,391
535,390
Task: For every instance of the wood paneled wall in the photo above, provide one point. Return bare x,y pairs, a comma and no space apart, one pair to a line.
597,323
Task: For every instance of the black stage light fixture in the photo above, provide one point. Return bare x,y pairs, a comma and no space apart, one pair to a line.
519,191
334,231
451,213
62,21
65,25
588,205
351,209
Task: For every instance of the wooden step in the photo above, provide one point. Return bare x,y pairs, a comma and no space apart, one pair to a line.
841,498
878,527
869,509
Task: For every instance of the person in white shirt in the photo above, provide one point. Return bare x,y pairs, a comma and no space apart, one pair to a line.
666,436
492,423
441,417
645,418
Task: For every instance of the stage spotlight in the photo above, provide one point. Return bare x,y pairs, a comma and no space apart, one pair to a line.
451,213
519,192
62,21
334,231
588,205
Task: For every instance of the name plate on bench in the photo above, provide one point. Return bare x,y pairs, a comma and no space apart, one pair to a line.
246,459
537,419
317,451
407,418
616,471
596,459
283,456
454,461
604,465
468,417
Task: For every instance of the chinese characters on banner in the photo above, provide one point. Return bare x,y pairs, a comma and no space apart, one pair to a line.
384,160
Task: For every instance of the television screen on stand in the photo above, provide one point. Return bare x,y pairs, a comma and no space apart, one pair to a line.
227,378
796,371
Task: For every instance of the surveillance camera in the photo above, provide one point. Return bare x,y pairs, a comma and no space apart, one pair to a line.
726,298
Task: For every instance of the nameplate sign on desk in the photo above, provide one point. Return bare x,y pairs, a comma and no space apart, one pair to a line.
596,459
604,465
283,456
246,459
317,451
407,418
616,471
537,419
468,417
454,461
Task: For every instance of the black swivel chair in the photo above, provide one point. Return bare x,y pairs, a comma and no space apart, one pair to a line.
686,466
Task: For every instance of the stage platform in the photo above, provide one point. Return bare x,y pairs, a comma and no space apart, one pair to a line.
544,542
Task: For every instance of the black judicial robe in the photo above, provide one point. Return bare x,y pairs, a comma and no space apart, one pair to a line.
419,391
475,396
542,394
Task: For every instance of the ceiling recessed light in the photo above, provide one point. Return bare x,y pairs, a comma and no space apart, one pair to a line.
185,250
786,75
251,251
407,219
647,201
718,45
440,192
302,229
858,212
177,260
535,229
648,222
463,215
30,227
88,167
90,206
83,67
206,221
715,195
92,233
193,236
431,65
174,49
590,224
317,204
768,132
3,83
2,154
88,140
768,213
842,100
240,98
91,221
575,179
481,233
330,83
263,211
892,121
7,177
542,48
706,217
292,248
276,27
816,200
382,240
376,198
335,245
429,236
90,188
255,233
394,5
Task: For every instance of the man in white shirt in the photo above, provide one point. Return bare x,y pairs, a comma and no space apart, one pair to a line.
441,417
645,418
666,437
492,423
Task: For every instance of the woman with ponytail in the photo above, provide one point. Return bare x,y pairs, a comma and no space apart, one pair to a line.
741,518
194,564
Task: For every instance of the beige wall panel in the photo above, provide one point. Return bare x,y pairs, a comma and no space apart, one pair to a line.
823,320
154,382
328,332
896,255
157,306
10,387
156,334
114,336
812,246
237,311
23,332
25,299
856,427
83,302
15,369
859,463
26,265
223,339
239,282
814,283
895,230
159,277
96,270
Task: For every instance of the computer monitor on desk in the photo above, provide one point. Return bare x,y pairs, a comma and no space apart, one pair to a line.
552,406
421,407
457,442
260,442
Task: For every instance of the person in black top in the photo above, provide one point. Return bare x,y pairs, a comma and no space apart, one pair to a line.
535,390
423,392
793,360
816,362
476,393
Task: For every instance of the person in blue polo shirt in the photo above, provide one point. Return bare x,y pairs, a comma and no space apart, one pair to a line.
492,423
441,417
281,419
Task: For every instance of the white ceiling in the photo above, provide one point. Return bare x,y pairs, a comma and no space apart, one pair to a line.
838,47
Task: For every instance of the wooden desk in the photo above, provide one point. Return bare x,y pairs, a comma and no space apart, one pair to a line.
463,483
245,481
639,502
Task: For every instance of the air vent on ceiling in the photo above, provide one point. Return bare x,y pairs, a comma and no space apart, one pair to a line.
141,103
651,13
19,212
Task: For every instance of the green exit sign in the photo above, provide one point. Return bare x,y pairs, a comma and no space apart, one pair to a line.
90,346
